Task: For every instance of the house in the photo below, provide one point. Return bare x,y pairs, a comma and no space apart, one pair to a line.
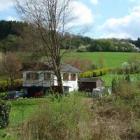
89,84
38,78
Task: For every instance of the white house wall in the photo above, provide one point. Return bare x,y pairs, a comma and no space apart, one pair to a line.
73,85
40,82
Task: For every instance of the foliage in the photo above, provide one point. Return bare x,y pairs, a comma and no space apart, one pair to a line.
4,113
5,86
11,34
10,43
136,42
111,45
95,73
83,44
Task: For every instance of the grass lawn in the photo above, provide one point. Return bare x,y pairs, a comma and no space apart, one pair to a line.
21,110
111,59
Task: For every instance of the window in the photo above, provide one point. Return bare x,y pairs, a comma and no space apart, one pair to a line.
73,77
66,77
32,76
47,76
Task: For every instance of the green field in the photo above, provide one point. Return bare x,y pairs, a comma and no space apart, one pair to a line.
21,110
110,59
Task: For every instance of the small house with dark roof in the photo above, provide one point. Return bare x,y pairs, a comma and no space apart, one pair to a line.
88,84
40,77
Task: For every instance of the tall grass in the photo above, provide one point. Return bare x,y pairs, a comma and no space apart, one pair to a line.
118,115
114,117
59,119
77,117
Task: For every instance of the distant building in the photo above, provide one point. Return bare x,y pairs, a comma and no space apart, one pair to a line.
38,78
88,84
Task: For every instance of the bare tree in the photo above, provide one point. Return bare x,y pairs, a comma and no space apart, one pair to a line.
51,20
11,66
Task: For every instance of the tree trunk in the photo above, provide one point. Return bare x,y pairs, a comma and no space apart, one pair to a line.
60,84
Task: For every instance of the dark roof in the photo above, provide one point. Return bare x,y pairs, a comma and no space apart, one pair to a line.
33,66
69,68
93,79
45,67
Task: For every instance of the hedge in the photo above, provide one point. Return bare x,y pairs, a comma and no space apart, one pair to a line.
4,113
4,85
95,73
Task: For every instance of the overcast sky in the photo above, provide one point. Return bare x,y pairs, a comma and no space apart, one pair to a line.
101,18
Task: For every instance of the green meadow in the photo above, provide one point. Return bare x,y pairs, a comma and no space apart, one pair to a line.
110,59
21,110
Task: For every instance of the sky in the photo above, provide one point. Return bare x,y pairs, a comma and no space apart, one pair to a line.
98,18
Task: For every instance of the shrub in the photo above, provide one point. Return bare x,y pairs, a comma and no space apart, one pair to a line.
4,114
95,73
4,85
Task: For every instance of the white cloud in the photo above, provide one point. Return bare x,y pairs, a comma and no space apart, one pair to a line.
82,14
10,18
5,4
124,27
95,2
133,0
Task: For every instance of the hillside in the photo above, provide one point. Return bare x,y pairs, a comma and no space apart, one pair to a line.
12,39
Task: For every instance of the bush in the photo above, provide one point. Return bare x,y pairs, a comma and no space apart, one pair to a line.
4,114
4,85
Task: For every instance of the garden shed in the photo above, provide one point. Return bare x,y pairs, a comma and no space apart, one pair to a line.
88,84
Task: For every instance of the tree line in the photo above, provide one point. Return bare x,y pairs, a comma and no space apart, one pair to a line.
12,39
11,35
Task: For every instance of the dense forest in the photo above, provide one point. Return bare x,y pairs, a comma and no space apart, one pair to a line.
11,39
11,35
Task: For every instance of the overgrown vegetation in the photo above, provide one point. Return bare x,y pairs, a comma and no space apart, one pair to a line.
75,116
62,119
118,114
